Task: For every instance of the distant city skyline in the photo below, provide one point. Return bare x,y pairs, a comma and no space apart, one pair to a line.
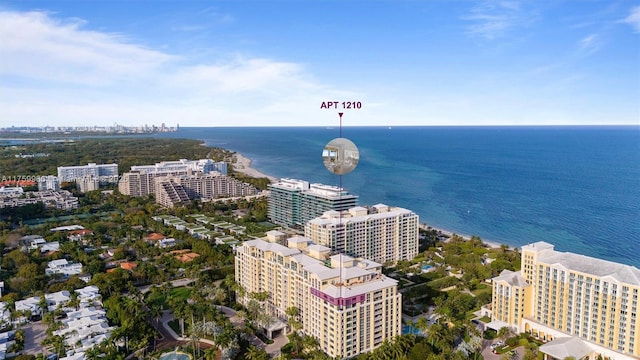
273,63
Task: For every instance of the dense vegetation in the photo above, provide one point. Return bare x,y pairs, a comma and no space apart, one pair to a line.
123,151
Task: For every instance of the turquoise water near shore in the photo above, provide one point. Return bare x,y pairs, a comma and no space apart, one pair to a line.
575,187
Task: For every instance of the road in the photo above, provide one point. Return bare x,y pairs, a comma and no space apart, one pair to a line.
170,339
174,283
488,355
34,333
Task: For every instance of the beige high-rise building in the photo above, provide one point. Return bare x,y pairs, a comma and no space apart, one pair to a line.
380,233
88,183
347,304
214,185
140,183
169,193
584,307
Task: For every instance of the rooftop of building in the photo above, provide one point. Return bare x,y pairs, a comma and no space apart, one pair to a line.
512,278
322,190
585,264
564,347
353,290
358,214
155,237
341,267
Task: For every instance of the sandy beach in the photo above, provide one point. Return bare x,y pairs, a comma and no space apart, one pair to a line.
490,244
243,164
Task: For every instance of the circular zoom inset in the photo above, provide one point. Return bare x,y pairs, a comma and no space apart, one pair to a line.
340,156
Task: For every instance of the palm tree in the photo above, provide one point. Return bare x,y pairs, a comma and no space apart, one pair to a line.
219,295
256,353
93,353
56,344
226,337
210,353
231,285
504,332
241,315
155,312
422,324
310,344
296,340
75,301
293,321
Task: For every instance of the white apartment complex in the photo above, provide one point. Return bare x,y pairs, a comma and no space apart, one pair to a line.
105,172
62,199
347,304
294,202
585,306
380,233
204,166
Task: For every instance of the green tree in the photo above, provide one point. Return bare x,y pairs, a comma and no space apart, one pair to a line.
256,353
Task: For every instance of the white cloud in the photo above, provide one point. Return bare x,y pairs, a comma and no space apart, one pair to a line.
590,44
55,71
633,19
493,19
36,46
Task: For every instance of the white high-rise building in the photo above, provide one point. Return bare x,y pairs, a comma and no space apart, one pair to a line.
380,233
294,202
103,172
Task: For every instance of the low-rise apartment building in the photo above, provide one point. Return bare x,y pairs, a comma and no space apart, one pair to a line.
62,199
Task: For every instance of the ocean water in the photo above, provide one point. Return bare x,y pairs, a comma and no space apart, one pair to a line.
575,187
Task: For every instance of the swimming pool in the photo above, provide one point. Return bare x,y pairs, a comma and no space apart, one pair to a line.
410,329
175,355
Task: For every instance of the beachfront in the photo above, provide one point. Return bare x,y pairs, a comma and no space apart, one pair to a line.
242,164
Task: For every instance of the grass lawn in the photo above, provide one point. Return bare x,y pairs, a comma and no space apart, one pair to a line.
481,288
485,319
470,314
181,293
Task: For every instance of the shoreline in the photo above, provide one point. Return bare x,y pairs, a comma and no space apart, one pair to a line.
242,164
490,244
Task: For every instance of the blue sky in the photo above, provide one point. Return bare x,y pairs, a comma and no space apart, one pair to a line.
272,63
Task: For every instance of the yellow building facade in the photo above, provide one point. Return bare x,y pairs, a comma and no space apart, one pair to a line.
347,304
560,295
